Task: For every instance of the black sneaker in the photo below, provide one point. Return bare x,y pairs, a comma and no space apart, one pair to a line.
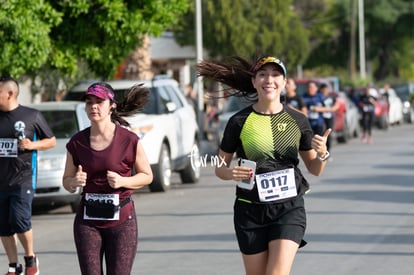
34,268
15,270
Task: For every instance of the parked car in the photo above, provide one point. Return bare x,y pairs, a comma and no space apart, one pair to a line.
406,91
347,124
167,127
381,117
65,119
395,111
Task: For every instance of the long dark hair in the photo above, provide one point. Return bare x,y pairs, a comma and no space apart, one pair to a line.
235,72
134,101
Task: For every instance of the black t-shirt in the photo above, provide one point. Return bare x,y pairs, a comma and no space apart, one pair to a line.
295,101
20,170
272,141
366,104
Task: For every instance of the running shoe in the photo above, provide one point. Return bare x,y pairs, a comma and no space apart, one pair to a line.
33,267
364,139
15,270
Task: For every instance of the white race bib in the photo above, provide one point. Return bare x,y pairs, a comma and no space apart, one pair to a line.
276,185
109,198
368,108
313,115
8,147
327,115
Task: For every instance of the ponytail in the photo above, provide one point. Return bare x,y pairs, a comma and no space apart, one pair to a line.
136,98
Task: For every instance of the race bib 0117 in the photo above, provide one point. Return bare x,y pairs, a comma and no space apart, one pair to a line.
276,185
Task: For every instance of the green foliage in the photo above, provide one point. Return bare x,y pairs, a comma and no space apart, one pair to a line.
405,58
103,32
322,18
248,28
24,35
389,37
71,39
389,26
58,35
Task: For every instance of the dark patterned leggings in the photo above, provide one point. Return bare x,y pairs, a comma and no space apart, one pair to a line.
367,121
118,244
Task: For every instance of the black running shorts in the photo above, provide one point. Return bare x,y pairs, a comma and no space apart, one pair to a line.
256,224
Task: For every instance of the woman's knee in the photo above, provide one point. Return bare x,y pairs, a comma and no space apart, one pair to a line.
255,264
282,253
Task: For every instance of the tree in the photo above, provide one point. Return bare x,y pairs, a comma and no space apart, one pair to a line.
390,29
389,35
248,28
322,18
59,35
25,44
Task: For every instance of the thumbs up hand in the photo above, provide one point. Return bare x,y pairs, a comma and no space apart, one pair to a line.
319,142
80,177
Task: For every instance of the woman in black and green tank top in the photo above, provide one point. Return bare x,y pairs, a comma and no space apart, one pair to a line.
269,216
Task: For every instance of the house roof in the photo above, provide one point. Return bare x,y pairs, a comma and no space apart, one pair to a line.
165,47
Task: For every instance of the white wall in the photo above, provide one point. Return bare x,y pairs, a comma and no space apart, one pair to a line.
25,97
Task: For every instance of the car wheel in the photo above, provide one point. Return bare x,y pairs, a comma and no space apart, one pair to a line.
343,138
411,117
383,122
191,173
162,172
357,131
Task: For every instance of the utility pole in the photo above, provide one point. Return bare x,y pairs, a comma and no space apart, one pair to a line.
199,57
352,46
362,64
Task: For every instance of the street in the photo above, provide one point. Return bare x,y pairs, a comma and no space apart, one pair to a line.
360,219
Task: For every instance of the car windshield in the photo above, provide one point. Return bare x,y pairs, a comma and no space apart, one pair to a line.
402,91
63,123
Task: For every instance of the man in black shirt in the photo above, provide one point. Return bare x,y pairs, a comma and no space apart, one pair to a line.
23,131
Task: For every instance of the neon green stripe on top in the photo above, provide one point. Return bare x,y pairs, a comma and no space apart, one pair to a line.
267,136
256,136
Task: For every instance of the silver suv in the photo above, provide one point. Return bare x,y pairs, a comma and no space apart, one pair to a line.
167,127
65,119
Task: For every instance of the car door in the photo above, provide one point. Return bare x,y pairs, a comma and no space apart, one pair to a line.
172,121
186,119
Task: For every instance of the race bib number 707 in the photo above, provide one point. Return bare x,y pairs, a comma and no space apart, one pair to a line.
8,147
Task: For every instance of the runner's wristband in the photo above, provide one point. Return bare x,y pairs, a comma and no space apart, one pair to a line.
327,155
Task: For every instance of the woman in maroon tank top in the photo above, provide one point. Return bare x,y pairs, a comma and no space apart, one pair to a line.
108,162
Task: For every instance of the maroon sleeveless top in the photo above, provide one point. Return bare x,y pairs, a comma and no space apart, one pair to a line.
119,157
